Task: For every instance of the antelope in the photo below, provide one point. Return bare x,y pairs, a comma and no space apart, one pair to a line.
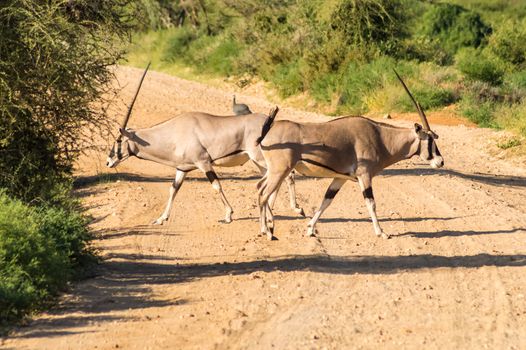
240,108
348,148
195,140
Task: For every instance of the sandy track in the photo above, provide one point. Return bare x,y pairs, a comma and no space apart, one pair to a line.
453,276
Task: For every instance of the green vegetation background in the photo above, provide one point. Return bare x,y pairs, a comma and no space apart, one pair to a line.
341,52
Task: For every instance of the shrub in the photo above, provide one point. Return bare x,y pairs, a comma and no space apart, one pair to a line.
358,81
54,64
287,79
38,250
177,44
478,111
516,79
512,117
477,65
454,27
508,42
221,57
367,23
429,97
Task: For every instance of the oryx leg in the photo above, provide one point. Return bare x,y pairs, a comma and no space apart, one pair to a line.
292,194
269,186
272,198
214,180
365,183
291,187
174,188
333,189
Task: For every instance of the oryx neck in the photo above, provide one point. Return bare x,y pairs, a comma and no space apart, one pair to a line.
400,143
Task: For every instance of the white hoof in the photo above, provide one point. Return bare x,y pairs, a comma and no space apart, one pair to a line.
300,211
228,218
383,235
311,232
159,221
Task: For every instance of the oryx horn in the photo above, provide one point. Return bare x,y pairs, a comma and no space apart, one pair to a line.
127,117
417,105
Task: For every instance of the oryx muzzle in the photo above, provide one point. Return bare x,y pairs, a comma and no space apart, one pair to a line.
116,154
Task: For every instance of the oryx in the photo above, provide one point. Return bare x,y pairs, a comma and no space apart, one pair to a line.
348,148
193,141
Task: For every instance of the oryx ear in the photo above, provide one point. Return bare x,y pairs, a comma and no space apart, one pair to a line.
435,136
126,133
418,128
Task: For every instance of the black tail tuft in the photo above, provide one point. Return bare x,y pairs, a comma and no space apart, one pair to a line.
267,125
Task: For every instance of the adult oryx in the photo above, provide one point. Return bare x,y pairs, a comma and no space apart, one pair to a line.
348,148
193,141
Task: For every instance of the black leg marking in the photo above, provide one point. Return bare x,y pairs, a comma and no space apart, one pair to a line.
368,193
211,176
331,193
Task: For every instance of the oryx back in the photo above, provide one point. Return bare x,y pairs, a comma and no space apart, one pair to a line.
333,149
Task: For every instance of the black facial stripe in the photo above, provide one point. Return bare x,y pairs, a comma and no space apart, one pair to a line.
211,176
368,193
130,153
429,148
331,193
435,149
119,149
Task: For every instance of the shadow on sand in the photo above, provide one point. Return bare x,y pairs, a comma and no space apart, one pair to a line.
125,282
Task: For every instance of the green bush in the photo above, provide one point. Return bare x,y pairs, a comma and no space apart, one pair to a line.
508,42
478,65
454,27
177,44
38,250
287,79
478,111
54,68
358,81
429,97
368,23
221,58
516,79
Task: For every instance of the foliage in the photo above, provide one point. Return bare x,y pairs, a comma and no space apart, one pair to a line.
38,250
477,65
509,42
513,142
366,23
342,52
454,27
54,60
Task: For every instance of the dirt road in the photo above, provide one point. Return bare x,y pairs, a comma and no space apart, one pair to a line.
453,275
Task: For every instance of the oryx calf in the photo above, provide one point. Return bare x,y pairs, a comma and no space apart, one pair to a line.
348,148
193,141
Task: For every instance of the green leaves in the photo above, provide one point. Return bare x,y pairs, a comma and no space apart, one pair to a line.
54,59
38,250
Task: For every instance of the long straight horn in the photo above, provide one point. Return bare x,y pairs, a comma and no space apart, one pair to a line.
127,117
417,105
